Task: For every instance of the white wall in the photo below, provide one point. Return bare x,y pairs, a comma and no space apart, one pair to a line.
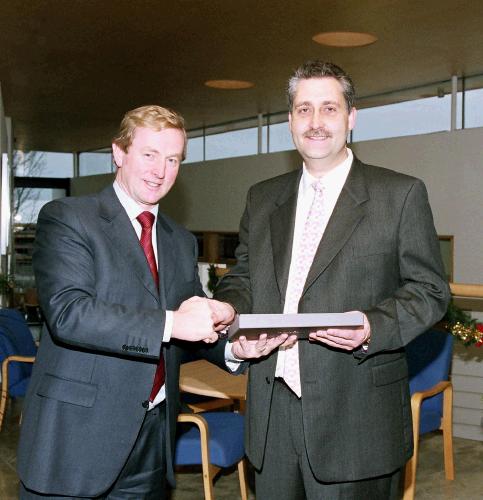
451,165
211,195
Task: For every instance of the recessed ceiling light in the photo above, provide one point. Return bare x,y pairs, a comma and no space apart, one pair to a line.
229,84
344,39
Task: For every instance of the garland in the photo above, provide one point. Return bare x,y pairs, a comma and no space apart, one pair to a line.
460,324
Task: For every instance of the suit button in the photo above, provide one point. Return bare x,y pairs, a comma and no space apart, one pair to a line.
267,380
145,404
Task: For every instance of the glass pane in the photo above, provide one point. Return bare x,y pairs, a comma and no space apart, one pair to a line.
474,108
5,207
95,163
28,201
27,204
421,116
43,164
194,150
231,144
280,138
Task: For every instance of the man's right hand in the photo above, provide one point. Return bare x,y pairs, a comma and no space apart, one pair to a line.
194,321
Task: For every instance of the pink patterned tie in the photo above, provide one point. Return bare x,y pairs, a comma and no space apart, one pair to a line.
146,219
309,242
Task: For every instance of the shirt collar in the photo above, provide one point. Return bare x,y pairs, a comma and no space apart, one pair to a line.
131,207
335,177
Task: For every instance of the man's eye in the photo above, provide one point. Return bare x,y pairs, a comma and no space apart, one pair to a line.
330,109
303,110
148,155
173,161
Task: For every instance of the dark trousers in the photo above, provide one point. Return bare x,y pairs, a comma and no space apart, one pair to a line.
143,477
286,472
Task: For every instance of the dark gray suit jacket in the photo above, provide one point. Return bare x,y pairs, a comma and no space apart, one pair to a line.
379,254
99,350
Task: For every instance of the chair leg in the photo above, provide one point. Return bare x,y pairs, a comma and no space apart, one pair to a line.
242,476
209,472
412,464
447,428
3,402
3,407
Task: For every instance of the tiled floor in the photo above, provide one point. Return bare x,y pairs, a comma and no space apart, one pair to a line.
431,484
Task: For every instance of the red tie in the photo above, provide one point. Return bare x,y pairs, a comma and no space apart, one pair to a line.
146,219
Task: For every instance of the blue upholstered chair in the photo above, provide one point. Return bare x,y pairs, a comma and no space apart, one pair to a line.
429,361
17,353
213,440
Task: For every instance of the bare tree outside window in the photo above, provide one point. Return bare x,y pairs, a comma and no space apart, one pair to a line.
25,199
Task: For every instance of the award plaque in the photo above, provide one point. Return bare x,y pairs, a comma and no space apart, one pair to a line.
252,325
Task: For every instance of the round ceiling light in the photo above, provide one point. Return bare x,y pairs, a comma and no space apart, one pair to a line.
344,38
229,84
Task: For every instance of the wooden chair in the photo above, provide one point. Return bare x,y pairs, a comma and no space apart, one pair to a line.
213,440
429,359
17,353
197,404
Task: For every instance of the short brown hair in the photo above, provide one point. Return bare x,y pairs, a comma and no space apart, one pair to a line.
153,117
321,69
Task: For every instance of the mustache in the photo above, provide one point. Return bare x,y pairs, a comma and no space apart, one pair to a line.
317,132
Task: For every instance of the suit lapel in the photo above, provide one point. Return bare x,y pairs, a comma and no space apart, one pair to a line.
282,221
119,230
166,257
348,212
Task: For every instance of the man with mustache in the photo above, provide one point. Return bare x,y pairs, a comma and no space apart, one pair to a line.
330,418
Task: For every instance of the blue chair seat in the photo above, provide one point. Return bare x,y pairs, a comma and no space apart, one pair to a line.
225,443
19,389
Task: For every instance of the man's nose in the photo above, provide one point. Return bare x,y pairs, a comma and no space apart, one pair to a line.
159,169
317,120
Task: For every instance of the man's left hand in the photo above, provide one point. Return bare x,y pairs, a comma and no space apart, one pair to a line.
348,338
244,348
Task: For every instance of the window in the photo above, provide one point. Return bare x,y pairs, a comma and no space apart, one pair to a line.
230,144
27,202
474,108
194,150
95,163
42,164
280,138
420,116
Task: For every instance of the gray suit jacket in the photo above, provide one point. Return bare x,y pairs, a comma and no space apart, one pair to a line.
99,350
379,254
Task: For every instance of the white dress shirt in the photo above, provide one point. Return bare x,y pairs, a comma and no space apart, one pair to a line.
133,210
332,183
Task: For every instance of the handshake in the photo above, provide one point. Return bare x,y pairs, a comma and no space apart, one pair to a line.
199,318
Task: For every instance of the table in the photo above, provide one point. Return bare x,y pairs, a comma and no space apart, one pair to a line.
204,378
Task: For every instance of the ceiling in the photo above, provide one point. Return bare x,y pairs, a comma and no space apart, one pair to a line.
69,69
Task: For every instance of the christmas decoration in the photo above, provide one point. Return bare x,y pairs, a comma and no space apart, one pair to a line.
460,324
